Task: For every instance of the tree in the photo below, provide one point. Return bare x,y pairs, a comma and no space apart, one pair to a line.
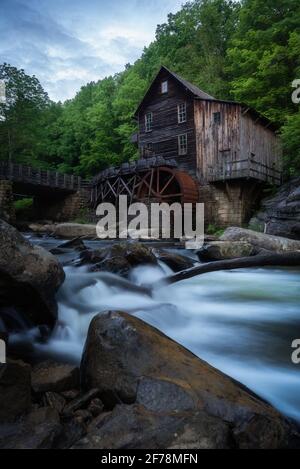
261,62
20,115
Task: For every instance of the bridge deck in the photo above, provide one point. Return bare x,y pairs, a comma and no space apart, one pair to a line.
38,177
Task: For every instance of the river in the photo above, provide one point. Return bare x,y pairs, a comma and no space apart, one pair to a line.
242,322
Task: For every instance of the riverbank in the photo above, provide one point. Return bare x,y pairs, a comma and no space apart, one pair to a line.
233,320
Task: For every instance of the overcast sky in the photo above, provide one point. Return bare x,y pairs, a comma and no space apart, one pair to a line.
67,43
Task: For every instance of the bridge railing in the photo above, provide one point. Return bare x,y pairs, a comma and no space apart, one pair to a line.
40,177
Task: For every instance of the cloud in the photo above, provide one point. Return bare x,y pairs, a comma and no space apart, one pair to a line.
67,44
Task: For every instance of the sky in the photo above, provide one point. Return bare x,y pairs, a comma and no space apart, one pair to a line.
68,43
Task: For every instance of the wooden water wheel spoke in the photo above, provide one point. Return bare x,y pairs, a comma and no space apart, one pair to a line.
161,184
167,184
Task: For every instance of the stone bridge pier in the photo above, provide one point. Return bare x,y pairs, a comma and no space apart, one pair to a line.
7,210
62,208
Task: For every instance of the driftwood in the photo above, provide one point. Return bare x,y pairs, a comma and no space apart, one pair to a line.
288,259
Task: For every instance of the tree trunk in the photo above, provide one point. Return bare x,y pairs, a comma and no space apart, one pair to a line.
289,259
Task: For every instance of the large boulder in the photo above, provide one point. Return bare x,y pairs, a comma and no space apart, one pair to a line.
65,230
15,389
135,427
260,241
219,250
280,213
29,279
133,363
55,377
37,430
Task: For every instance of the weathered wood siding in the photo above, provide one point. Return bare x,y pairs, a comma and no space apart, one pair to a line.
216,142
237,146
166,129
262,146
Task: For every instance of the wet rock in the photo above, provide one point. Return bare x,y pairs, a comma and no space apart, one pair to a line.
54,377
37,430
70,395
74,230
135,427
81,401
75,243
15,389
114,265
131,362
29,278
119,258
176,262
219,250
55,400
260,240
71,432
280,213
96,407
83,416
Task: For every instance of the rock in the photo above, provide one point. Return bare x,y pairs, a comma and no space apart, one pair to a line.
93,257
29,278
70,395
114,265
260,240
72,431
15,390
176,262
74,230
54,377
81,401
96,407
55,400
280,213
83,416
219,250
119,258
38,430
65,230
75,243
134,427
133,363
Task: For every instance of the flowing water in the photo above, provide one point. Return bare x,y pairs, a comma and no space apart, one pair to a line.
242,322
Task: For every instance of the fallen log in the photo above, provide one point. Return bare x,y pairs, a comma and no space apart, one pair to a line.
290,259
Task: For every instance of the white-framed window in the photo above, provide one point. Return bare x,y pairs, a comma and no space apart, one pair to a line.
182,144
181,109
148,121
164,87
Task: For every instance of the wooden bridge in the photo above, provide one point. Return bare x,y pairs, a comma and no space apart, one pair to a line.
35,178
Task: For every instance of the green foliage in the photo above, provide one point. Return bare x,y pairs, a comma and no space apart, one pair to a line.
214,230
24,209
248,51
291,141
82,217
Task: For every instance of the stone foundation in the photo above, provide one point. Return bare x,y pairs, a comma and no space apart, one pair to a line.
229,204
72,207
7,211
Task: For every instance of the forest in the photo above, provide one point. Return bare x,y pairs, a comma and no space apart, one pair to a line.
246,51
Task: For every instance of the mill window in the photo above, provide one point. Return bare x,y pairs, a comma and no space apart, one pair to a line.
182,144
181,113
164,87
149,121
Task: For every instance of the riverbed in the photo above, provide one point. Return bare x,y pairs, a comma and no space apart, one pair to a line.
242,322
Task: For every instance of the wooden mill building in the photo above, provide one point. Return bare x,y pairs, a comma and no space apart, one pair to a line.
194,147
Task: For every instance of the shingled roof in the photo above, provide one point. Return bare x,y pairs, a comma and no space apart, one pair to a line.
194,90
189,86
